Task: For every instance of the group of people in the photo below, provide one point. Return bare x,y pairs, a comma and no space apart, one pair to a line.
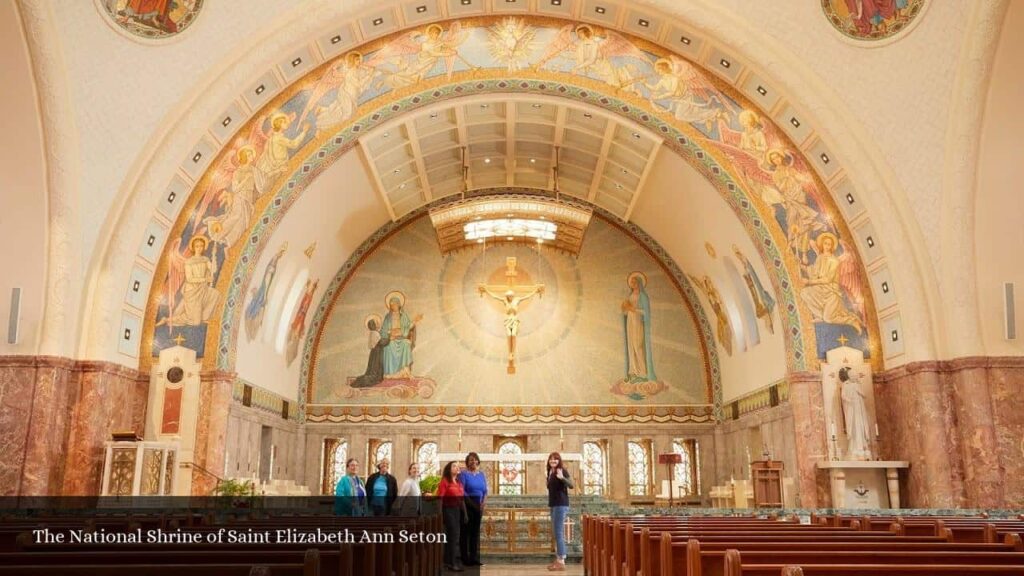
462,491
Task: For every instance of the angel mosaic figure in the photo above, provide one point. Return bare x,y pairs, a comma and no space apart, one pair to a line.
351,77
592,55
828,280
235,185
689,95
414,55
277,149
192,272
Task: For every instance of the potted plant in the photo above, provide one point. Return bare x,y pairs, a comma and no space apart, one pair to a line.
236,490
429,484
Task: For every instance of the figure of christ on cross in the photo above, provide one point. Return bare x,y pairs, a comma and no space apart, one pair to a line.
511,295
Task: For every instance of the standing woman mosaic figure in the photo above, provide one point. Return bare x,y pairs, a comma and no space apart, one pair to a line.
559,484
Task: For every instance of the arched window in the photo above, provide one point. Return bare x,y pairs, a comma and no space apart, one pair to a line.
639,468
594,469
426,457
684,470
511,477
335,454
381,451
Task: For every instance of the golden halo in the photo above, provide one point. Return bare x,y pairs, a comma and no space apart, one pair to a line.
366,321
276,116
582,27
356,54
640,275
434,27
204,239
394,294
821,238
664,61
246,148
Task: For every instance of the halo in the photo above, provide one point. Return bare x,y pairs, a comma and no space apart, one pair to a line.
246,148
434,27
821,237
275,116
394,294
355,53
366,321
640,275
587,28
206,241
663,61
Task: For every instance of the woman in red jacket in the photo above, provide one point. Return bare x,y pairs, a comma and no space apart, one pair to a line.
453,509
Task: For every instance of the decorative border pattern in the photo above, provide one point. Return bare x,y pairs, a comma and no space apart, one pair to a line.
695,414
709,350
770,396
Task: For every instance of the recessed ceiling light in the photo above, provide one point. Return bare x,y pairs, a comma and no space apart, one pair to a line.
378,21
624,171
588,115
487,160
533,160
762,91
421,9
684,40
508,238
387,134
402,186
433,114
397,170
536,105
599,9
643,23
480,241
485,106
636,135
467,2
619,186
556,2
335,39
725,63
296,62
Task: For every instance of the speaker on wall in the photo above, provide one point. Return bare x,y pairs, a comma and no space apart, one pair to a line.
15,317
1009,312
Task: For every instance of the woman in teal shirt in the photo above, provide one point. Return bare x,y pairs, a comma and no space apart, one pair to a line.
350,494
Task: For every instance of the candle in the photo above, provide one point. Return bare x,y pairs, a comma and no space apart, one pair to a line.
876,430
460,433
833,429
561,434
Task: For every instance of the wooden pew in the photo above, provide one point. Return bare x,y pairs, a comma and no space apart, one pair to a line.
309,566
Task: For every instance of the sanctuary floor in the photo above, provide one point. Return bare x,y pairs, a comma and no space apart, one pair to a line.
520,570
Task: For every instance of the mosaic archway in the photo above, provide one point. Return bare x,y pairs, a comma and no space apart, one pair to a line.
816,272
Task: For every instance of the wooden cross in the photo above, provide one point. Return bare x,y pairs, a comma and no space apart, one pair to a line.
511,295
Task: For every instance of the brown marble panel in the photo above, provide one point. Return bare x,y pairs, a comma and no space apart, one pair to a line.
49,421
978,447
809,421
1006,384
17,383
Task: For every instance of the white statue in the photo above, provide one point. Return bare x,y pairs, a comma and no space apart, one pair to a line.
855,417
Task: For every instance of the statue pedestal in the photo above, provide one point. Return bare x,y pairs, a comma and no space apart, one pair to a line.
864,483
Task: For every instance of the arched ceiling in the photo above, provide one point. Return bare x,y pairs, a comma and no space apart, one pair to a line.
752,163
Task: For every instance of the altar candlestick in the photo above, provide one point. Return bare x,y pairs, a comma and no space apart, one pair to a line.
876,430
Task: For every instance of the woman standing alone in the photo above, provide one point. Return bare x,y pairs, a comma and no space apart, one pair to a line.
558,500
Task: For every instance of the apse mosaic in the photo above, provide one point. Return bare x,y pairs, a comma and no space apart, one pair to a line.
153,19
232,206
411,326
871,19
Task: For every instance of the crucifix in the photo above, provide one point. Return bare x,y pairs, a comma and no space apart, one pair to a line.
511,295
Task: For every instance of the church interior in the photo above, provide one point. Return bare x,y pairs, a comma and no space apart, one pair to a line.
745,260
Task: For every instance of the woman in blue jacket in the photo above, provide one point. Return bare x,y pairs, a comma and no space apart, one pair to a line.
350,494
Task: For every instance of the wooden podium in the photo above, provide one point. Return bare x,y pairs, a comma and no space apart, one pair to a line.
767,478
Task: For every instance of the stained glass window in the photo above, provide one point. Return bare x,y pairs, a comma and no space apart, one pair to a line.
684,470
510,472
336,467
383,451
594,468
426,457
639,468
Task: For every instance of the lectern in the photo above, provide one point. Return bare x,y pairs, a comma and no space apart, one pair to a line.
767,477
670,459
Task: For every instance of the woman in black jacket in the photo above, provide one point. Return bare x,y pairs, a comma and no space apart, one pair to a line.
381,489
558,500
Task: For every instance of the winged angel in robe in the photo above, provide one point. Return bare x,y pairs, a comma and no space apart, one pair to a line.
592,55
767,169
683,90
511,42
350,77
409,58
831,282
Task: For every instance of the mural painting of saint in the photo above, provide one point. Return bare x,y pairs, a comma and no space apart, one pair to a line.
636,314
298,324
260,296
399,332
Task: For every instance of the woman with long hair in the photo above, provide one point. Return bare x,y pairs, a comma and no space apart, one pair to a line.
474,483
453,510
558,500
349,492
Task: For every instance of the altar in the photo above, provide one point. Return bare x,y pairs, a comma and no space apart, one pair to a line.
864,484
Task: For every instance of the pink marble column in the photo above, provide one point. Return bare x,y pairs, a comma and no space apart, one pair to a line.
17,384
983,477
912,415
211,429
1006,385
809,421
107,395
